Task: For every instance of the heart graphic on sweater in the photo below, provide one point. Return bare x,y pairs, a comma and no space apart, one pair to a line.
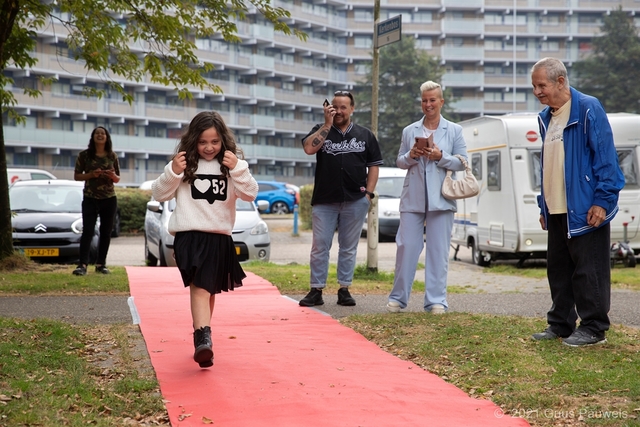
202,185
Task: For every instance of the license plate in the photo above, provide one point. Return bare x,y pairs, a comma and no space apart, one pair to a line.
237,250
42,252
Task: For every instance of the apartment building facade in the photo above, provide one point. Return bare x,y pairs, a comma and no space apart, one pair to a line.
274,85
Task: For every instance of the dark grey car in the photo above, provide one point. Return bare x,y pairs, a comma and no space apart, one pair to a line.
46,220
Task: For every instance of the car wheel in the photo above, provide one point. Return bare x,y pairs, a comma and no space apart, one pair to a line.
477,256
630,261
279,208
115,232
151,260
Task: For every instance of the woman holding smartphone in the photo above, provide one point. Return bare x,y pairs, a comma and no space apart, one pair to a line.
427,150
98,167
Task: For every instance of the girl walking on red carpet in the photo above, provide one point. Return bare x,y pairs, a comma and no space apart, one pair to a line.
206,177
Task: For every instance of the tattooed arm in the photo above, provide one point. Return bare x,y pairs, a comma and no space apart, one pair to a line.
314,142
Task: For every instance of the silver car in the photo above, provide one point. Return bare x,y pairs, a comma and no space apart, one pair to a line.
250,233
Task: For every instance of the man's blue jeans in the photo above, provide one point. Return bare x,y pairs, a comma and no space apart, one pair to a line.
347,218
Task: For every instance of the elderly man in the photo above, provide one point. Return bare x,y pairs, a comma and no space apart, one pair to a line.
581,180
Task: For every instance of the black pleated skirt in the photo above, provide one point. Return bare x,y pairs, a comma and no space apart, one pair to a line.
208,260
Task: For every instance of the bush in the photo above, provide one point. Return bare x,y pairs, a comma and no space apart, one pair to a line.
132,203
304,210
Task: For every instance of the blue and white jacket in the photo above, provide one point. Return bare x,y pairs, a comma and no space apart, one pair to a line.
591,170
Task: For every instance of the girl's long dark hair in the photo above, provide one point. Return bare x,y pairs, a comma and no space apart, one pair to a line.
108,146
189,142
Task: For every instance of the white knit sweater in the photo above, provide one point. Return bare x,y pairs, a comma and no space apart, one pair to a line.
209,204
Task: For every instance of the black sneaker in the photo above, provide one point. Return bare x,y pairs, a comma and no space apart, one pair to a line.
80,271
547,334
345,298
581,338
102,269
314,297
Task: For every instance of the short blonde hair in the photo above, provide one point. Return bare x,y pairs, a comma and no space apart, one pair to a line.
430,85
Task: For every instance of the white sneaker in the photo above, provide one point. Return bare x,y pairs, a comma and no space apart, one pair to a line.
437,309
393,306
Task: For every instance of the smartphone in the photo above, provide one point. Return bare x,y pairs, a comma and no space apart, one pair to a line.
422,142
326,103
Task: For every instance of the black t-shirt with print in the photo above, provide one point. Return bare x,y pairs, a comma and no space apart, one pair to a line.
342,162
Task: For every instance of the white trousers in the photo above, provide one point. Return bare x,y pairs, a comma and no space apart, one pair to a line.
409,239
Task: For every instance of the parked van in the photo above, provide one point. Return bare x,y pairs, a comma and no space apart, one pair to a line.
503,220
15,174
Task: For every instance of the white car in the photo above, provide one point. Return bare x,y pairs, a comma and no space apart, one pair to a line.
388,189
20,174
250,233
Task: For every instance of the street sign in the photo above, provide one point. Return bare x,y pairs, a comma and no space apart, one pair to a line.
389,31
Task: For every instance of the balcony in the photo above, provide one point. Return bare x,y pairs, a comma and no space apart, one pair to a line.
463,79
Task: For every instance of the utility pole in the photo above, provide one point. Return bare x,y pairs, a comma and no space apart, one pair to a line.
372,217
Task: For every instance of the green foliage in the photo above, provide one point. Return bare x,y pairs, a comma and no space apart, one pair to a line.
612,72
132,203
304,209
402,69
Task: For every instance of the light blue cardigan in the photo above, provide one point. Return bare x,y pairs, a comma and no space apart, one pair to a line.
448,138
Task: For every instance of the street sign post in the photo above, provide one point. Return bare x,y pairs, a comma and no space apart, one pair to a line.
389,31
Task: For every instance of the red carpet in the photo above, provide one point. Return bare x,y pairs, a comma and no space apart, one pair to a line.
278,365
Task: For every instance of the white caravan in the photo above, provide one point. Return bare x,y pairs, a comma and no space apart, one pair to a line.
503,220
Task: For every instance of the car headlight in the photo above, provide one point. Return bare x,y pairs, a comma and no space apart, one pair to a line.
260,228
77,227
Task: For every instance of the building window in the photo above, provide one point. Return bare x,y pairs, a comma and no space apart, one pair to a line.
423,17
363,15
424,43
364,42
63,160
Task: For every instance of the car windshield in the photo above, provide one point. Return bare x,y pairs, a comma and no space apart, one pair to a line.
390,187
46,198
242,205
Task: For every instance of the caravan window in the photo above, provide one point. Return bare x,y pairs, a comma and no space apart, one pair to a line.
628,166
493,171
476,165
536,176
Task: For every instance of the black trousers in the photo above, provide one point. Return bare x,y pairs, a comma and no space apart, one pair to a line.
91,210
579,273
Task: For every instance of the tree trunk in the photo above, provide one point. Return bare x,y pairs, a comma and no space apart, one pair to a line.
6,241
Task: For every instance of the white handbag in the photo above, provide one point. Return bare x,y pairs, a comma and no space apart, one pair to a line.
454,189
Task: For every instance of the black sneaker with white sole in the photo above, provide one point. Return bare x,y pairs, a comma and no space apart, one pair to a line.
581,338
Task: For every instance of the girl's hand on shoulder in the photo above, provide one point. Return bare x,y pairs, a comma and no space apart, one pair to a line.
229,160
179,163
